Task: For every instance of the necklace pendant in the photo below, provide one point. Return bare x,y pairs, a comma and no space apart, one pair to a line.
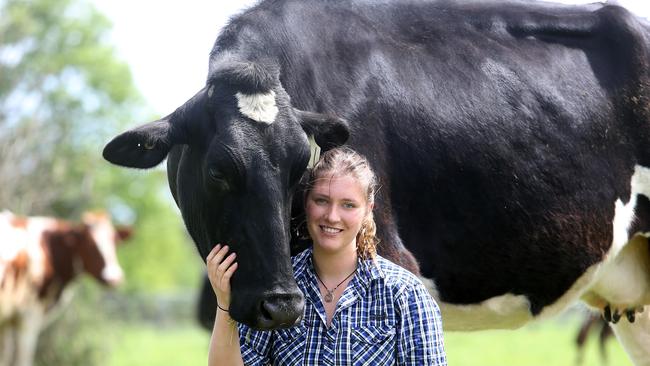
328,297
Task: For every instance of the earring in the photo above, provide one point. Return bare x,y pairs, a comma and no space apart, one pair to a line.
300,230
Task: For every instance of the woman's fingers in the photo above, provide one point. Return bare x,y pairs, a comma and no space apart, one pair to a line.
224,282
217,261
218,256
225,279
226,263
230,271
213,252
221,267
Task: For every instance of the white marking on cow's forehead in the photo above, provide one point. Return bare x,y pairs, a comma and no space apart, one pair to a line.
259,107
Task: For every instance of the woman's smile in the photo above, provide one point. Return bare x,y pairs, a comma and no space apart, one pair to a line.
336,207
330,230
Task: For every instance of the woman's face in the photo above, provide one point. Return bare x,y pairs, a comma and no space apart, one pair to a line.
335,208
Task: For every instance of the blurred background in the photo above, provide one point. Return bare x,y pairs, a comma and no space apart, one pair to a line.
73,74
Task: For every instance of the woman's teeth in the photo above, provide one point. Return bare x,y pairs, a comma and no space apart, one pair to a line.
330,230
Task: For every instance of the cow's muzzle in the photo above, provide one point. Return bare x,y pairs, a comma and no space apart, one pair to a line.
281,310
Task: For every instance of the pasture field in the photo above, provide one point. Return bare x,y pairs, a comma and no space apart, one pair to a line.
145,344
547,343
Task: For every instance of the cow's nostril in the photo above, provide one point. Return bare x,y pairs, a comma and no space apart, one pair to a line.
264,311
280,311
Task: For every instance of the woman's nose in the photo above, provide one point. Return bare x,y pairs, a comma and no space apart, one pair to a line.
332,214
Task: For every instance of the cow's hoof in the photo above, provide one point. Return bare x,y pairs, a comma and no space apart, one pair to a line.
631,315
607,314
616,316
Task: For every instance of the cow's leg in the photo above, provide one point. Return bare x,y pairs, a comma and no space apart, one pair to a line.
635,337
27,337
7,344
57,307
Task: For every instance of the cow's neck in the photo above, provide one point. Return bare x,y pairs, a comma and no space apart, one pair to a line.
65,260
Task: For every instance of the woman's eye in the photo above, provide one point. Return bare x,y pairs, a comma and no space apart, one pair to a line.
349,205
320,201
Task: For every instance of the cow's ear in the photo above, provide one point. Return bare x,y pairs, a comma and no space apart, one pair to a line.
123,233
142,147
328,131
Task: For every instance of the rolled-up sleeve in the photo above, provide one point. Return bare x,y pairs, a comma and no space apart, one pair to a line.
420,340
255,345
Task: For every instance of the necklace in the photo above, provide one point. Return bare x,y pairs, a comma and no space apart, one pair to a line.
328,296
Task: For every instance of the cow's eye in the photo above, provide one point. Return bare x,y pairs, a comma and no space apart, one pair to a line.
218,179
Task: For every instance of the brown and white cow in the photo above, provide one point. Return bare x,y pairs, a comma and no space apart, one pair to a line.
39,257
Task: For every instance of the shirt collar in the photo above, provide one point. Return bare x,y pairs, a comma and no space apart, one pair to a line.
301,263
367,270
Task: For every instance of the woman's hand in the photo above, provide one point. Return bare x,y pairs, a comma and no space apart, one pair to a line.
220,271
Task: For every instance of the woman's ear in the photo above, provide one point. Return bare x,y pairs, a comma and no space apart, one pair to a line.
369,208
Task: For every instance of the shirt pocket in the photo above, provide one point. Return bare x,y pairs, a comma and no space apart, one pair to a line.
289,345
374,345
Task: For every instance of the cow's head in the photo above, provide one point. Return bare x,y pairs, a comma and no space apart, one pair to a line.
98,250
237,151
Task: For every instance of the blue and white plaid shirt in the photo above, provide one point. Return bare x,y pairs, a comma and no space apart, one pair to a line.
384,317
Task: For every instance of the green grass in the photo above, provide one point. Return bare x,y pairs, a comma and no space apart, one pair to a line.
142,344
548,343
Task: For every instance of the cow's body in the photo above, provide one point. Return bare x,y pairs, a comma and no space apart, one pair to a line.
511,140
39,257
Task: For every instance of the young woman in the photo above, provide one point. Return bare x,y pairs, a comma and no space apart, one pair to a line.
360,309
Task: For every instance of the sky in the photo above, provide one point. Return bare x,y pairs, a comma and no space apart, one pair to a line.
167,43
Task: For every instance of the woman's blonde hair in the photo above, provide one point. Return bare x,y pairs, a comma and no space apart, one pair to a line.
344,161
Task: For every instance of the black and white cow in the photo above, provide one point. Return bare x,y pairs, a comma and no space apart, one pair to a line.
511,140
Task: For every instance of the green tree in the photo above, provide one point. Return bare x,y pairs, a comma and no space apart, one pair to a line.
63,94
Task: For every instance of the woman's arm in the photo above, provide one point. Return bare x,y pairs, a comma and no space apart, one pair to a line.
224,343
420,340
